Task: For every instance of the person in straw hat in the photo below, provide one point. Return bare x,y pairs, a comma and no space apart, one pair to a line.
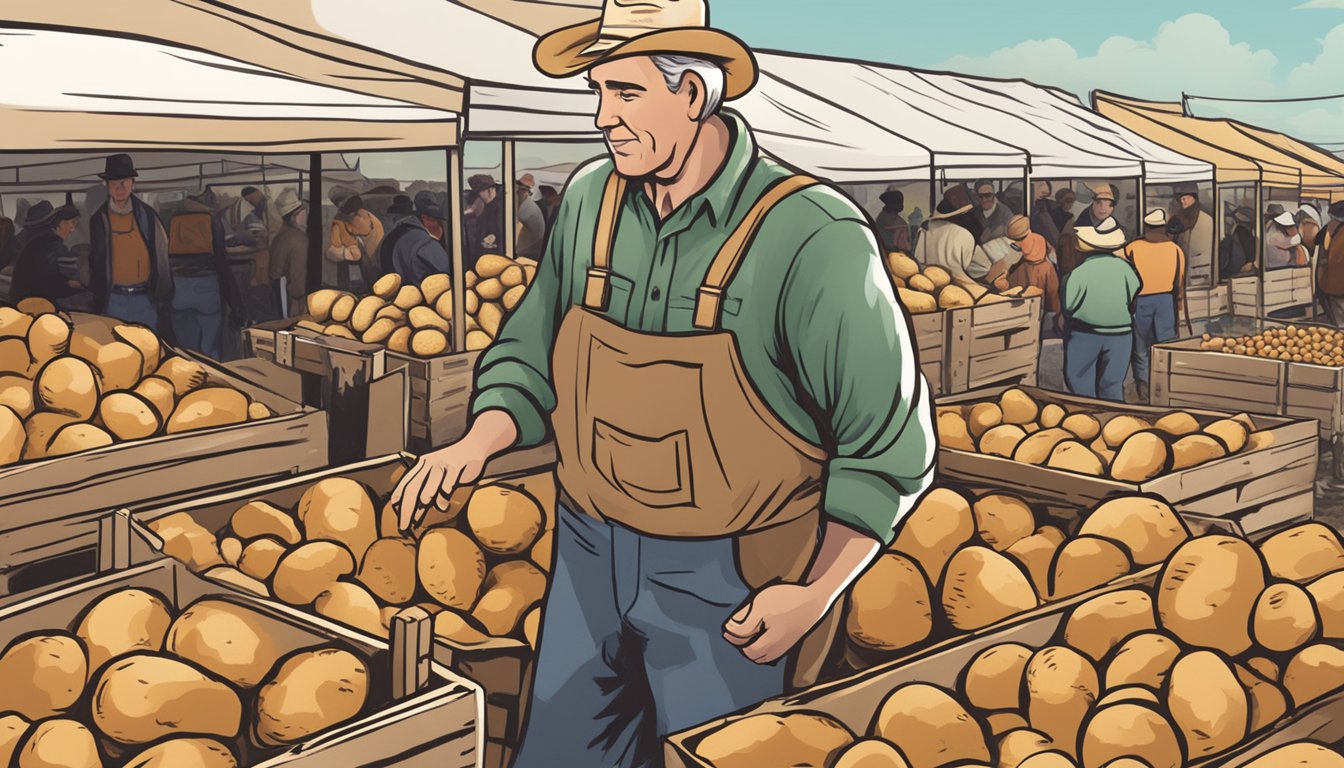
949,238
1104,199
1034,268
1281,242
1098,311
1160,263
288,266
738,412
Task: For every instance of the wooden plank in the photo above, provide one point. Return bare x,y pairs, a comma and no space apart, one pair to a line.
956,358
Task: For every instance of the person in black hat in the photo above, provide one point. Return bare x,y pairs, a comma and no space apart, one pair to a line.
1196,237
484,217
37,272
1330,261
128,255
401,206
414,248
892,228
356,235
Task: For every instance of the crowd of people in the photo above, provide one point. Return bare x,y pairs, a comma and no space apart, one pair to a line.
202,267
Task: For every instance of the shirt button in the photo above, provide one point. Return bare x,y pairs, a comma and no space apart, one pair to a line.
657,294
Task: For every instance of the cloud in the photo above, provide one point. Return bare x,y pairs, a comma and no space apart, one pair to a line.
1327,4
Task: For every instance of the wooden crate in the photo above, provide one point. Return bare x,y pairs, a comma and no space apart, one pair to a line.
972,347
1245,493
49,509
502,667
1287,290
1185,375
854,701
1208,302
431,720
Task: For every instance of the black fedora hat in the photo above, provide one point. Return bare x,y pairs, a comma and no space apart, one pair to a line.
401,206
39,214
427,205
119,167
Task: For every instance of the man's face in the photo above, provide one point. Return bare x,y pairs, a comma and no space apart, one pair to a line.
1041,189
649,130
66,228
1102,208
488,195
985,194
120,190
301,218
1069,202
1188,201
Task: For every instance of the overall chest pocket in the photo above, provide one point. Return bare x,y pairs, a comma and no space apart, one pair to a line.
620,289
681,311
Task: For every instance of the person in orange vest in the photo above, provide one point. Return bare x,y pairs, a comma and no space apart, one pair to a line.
205,286
128,253
1160,263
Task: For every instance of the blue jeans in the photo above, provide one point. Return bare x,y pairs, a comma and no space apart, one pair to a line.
133,308
1095,364
198,314
632,646
1154,323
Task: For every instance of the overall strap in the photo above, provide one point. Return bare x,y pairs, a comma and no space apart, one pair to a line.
597,287
709,300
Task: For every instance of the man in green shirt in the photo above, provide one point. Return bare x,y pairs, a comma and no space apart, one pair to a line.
1098,311
739,414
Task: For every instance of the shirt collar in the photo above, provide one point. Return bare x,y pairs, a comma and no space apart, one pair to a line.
720,197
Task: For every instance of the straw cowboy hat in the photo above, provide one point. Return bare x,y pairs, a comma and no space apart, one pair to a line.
1285,220
1018,228
956,201
1155,218
647,28
1102,191
1106,236
288,202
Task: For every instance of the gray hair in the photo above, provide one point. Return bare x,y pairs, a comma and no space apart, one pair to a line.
675,69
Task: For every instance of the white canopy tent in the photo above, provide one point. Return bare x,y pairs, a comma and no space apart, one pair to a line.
159,96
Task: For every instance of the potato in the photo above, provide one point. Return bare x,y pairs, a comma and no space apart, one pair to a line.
1264,668
1055,759
504,520
1208,706
1002,520
889,606
917,302
118,365
451,567
922,284
1002,440
14,323
185,375
429,342
145,341
902,266
1304,552
1143,456
58,743
1284,618
870,753
310,692
1132,730
939,524
929,727
128,416
1177,424
1302,754
142,697
1000,723
226,639
69,386
1035,554
937,275
491,317
319,303
339,509
207,407
260,558
185,753
1052,416
434,286
1118,429
1314,672
13,438
259,518
1231,432
186,541
48,337
532,626
1073,456
1207,592
510,589
1083,426
123,622
76,438
307,571
1016,746
16,393
491,265
993,679
388,570
984,417
364,313
953,296
799,739
1061,685
1086,562
1144,659
1018,407
352,605
1193,450
1327,593
1268,702
953,432
1147,528
1132,693
1105,621
1036,448
543,554
235,578
477,340
43,674
339,331
459,629
159,392
982,587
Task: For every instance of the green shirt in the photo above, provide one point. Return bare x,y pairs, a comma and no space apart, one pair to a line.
1099,294
812,308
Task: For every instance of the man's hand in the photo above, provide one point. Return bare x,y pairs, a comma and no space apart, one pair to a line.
436,474
776,619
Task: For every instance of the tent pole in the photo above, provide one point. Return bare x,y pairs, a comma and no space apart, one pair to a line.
510,208
314,223
1260,246
457,243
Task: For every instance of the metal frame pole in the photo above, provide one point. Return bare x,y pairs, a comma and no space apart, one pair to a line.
315,240
457,246
510,209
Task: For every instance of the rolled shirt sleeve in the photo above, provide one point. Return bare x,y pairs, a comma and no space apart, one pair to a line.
850,343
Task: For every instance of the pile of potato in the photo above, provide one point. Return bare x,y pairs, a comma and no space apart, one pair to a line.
418,320
1121,447
68,386
1230,640
478,564
959,565
1315,345
135,682
930,289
